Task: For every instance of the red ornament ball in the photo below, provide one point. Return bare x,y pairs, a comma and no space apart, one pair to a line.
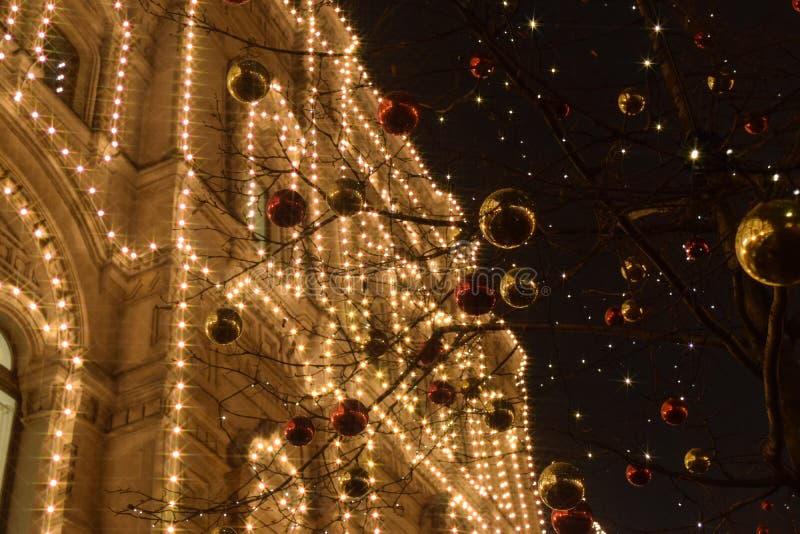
695,248
703,40
756,124
441,392
762,530
473,294
398,113
674,411
299,430
613,316
638,475
349,417
286,208
796,5
578,520
481,66
430,351
766,506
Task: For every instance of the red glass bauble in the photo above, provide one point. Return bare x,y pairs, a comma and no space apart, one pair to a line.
756,124
613,316
481,66
695,248
762,530
286,208
349,417
637,475
398,113
766,506
430,351
473,294
578,520
299,430
441,392
703,40
674,411
796,5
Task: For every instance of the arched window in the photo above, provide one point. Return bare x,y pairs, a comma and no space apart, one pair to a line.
8,409
61,67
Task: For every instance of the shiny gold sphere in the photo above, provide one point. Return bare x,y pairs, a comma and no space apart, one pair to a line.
633,270
248,81
500,416
768,243
472,387
561,486
518,288
632,311
224,326
355,483
347,197
506,218
721,82
376,343
631,102
698,461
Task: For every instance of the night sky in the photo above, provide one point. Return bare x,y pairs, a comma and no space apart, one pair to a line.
484,134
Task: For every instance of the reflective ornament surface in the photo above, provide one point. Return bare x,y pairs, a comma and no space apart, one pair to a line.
674,411
441,392
248,81
768,243
472,387
473,294
286,208
398,113
698,461
480,66
631,102
355,483
638,475
613,316
695,248
796,5
756,124
561,486
224,326
349,417
518,288
702,40
347,197
721,82
500,416
507,219
632,311
430,351
299,430
377,343
578,520
633,270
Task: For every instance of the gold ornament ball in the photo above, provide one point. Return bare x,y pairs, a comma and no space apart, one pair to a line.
631,102
355,483
768,243
347,197
632,311
698,461
224,326
720,82
472,387
507,219
248,81
633,270
376,344
561,486
518,288
500,416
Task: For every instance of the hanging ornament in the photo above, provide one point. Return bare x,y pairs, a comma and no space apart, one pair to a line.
766,506
430,351
472,387
762,530
518,288
248,81
633,270
224,326
561,486
695,248
481,66
346,198
299,431
398,113
349,417
376,343
721,82
631,311
796,5
756,124
355,483
507,219
286,208
613,316
768,243
500,416
631,102
674,411
698,461
578,520
703,40
473,294
638,475
441,392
